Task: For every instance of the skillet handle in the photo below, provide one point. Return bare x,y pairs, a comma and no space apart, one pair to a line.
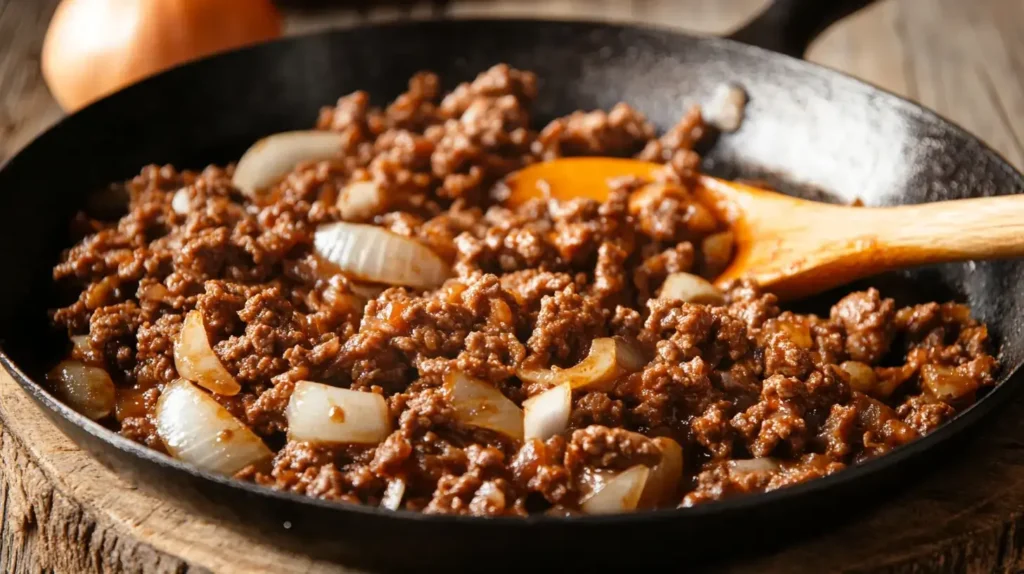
789,26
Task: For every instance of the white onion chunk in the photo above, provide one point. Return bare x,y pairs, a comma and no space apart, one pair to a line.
272,157
372,254
479,404
326,414
609,359
196,429
618,494
547,414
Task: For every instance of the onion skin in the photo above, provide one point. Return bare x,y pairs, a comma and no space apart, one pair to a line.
195,360
326,414
95,47
196,429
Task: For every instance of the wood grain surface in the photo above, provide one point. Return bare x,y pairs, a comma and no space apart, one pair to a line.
64,512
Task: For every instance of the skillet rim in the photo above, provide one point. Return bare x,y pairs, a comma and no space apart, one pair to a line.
962,422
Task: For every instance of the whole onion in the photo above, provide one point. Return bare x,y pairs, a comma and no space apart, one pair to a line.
95,47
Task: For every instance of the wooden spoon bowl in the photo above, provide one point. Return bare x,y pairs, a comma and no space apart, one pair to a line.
795,247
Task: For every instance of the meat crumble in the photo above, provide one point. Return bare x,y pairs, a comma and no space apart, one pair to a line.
757,397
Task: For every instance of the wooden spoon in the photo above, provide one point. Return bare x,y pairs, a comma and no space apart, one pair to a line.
794,247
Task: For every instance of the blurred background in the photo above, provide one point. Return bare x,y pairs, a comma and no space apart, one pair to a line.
962,58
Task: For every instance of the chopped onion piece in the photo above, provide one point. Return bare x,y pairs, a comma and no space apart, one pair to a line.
691,289
751,465
480,404
196,429
272,157
663,481
619,494
373,254
717,251
725,110
862,376
392,499
609,359
547,414
326,414
88,390
195,360
946,383
361,200
180,201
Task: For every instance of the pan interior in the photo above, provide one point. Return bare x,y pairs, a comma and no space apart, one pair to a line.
807,131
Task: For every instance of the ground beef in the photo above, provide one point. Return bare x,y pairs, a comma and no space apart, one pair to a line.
757,397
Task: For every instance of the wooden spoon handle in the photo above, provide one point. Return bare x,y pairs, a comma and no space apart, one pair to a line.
797,248
981,228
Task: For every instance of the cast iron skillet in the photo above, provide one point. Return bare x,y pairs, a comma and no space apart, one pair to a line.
807,129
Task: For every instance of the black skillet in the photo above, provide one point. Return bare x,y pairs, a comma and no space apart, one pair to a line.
807,129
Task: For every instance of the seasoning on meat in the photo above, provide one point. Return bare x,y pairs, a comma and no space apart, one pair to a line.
642,384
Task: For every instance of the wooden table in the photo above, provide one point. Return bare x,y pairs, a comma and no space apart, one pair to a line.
64,512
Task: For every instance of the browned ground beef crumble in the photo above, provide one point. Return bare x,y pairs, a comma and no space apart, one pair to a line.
534,286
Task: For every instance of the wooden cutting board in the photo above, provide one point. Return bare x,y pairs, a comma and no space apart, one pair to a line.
64,512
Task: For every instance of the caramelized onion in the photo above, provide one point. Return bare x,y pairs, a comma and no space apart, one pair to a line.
480,404
946,383
609,359
196,429
81,349
547,414
195,360
322,413
272,157
618,494
361,200
376,255
663,482
88,390
862,376
691,289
